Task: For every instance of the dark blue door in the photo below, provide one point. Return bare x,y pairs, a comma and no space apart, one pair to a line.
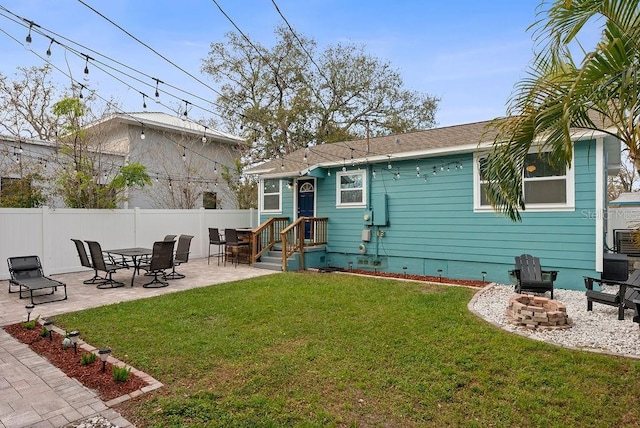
306,196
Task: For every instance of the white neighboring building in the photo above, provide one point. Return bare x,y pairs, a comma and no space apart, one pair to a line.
184,159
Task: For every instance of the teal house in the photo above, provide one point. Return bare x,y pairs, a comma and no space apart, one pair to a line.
415,203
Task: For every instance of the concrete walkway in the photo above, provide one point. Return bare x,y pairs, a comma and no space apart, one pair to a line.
33,393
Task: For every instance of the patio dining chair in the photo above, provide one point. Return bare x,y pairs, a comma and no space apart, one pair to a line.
161,260
181,256
530,276
216,239
233,247
84,261
99,264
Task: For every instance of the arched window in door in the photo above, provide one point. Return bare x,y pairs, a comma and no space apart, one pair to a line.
306,188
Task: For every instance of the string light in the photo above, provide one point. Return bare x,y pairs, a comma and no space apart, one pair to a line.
144,100
142,136
49,48
373,173
204,135
186,107
28,38
86,66
184,154
418,171
157,94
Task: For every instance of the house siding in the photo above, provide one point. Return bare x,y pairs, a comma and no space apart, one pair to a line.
432,225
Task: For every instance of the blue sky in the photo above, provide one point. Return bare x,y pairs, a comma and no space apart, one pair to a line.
469,53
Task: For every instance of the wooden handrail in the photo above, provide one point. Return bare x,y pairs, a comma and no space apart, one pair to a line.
292,237
265,236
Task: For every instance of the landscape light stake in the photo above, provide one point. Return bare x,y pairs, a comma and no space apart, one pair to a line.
74,339
440,274
48,325
404,268
104,354
484,275
29,308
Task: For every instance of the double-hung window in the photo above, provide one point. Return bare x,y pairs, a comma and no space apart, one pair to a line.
546,186
271,195
351,189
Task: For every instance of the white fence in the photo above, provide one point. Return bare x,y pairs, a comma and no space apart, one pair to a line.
47,232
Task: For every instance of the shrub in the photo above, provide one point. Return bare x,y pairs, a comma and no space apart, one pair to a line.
121,374
44,332
87,358
30,325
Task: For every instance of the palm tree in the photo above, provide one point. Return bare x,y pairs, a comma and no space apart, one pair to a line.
559,97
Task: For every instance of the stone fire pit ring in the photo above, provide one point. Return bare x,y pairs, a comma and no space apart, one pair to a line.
537,313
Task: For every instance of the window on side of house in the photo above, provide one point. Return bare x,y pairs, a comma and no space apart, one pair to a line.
546,187
271,195
351,189
209,200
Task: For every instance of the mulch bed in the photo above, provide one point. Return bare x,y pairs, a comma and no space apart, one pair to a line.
90,375
427,278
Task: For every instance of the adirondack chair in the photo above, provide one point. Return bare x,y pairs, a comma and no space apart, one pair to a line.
531,277
624,297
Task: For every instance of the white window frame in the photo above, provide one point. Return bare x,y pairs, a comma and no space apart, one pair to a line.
569,176
339,190
262,195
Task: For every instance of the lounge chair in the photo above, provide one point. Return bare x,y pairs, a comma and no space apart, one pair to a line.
161,260
181,256
531,277
97,259
27,274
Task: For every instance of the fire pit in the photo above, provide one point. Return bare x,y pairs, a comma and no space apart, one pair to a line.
537,312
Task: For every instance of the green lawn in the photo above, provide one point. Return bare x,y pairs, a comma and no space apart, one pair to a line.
304,349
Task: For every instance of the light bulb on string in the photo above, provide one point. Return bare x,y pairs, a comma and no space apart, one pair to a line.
142,136
204,135
28,39
373,173
86,68
49,48
184,154
157,93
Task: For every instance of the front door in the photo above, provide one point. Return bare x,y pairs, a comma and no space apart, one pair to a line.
306,203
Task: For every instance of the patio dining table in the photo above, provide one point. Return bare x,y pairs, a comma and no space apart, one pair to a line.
136,254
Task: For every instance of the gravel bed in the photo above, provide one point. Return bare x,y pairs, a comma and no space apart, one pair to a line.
597,331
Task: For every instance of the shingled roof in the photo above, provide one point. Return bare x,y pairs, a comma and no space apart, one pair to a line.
412,145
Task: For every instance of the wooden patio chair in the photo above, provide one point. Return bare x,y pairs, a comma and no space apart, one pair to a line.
181,256
161,260
530,276
624,296
27,274
99,264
